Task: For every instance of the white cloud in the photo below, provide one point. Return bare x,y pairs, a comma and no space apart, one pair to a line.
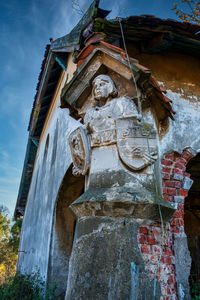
64,20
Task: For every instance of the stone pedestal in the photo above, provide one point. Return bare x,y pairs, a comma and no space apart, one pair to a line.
106,262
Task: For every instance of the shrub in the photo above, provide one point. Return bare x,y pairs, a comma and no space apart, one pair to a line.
26,287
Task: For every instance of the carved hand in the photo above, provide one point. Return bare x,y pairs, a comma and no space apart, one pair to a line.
151,158
76,172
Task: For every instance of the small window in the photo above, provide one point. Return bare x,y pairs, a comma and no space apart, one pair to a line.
46,147
55,140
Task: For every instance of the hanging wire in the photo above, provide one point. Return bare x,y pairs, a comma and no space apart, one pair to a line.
162,225
161,252
129,64
154,176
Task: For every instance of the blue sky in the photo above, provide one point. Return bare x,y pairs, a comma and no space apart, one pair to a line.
25,29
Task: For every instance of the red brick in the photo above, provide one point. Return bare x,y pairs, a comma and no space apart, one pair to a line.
178,184
186,155
169,291
177,171
175,229
166,169
169,269
154,259
181,207
164,191
174,222
142,238
156,231
169,251
166,197
166,162
170,183
165,175
178,214
168,260
143,230
171,279
159,269
145,249
171,191
180,166
181,222
152,269
151,240
157,276
175,287
182,161
183,193
162,259
156,249
186,174
169,156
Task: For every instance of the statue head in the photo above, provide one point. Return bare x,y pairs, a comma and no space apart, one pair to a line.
103,87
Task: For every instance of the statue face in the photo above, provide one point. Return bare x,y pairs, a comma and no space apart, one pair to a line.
103,87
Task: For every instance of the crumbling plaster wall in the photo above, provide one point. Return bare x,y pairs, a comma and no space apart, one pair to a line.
179,75
47,178
52,161
184,130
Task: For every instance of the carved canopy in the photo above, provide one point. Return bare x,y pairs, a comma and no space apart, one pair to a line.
103,58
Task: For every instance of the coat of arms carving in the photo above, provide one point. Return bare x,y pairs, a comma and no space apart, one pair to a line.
136,143
80,151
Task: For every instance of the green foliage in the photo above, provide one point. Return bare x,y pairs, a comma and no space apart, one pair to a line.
195,286
9,244
4,225
19,286
15,235
26,287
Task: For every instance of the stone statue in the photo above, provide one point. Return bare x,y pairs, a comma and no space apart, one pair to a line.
114,136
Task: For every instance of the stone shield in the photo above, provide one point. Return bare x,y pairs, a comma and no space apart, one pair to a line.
80,151
136,143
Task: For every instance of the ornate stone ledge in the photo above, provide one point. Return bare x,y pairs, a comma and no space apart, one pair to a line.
121,202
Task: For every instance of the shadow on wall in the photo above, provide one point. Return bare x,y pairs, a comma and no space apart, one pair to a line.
192,224
63,231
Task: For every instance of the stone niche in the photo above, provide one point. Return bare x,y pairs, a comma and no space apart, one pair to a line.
117,150
117,147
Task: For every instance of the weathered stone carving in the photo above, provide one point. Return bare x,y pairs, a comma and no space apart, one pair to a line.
113,121
80,150
136,143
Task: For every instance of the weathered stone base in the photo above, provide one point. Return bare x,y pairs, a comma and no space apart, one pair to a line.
106,262
122,202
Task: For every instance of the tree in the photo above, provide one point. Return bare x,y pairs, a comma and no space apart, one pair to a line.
188,10
9,243
15,235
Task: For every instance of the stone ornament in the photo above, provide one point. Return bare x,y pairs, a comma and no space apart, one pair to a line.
80,151
113,121
136,143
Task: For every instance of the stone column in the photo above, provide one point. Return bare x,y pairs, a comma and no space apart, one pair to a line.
106,262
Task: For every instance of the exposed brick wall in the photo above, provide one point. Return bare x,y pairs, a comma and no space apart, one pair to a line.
176,183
